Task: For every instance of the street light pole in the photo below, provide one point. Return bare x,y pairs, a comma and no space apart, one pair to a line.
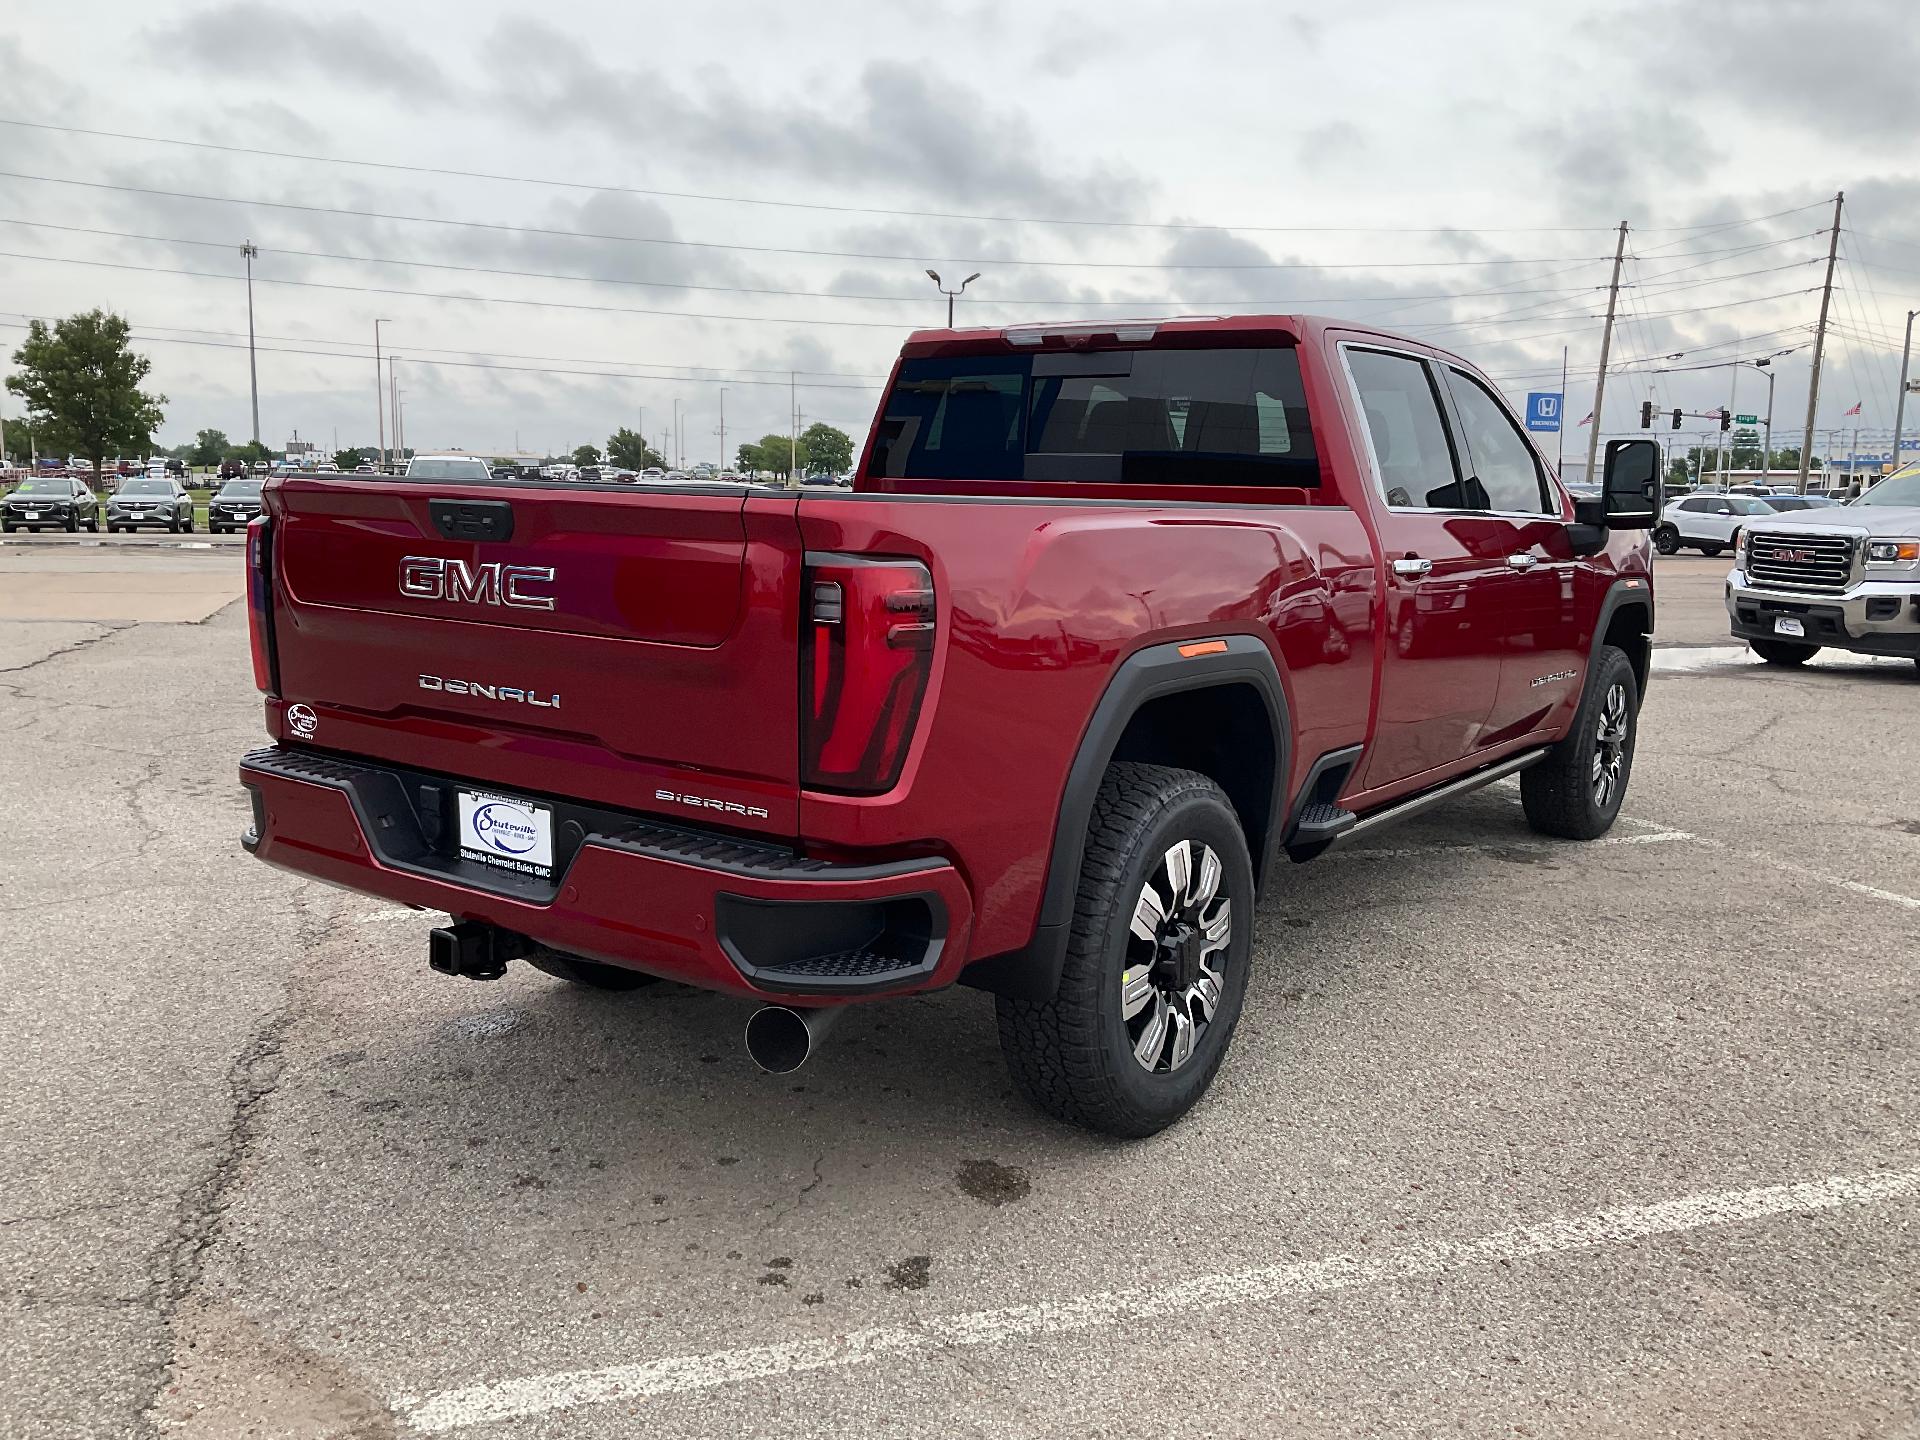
379,394
247,251
1900,406
934,275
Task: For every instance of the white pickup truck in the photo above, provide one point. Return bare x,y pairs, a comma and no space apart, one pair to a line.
1846,577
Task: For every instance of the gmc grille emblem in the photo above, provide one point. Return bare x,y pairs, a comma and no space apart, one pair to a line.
426,577
1794,557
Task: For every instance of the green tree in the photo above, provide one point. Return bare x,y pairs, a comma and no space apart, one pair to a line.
209,448
81,385
250,452
826,448
586,455
772,453
20,440
348,459
630,451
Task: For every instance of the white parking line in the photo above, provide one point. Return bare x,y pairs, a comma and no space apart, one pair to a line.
680,1374
1807,872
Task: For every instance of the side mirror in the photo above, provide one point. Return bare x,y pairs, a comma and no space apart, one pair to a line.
1629,490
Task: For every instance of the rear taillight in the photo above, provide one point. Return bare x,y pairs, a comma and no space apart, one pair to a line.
260,604
867,654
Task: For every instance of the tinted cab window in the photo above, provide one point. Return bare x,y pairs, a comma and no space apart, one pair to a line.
1222,416
1411,448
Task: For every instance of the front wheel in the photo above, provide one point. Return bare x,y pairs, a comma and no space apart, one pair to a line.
1667,540
73,522
1779,652
1711,550
1156,963
1575,793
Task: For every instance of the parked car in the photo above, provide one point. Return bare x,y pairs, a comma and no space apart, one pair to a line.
260,467
1707,523
1785,504
1026,733
233,506
151,500
448,467
51,502
1844,577
232,469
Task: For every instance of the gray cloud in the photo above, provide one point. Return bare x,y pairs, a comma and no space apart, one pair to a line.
246,40
926,134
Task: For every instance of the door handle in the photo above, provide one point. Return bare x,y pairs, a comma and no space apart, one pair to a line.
1413,567
1521,562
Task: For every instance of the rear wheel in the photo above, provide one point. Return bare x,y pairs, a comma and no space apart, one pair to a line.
1710,549
1779,652
1575,793
1666,540
1156,964
590,973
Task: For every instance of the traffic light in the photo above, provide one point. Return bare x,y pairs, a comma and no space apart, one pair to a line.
1726,419
1676,419
1646,414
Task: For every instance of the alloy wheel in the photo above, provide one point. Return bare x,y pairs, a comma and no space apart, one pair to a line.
1610,746
1177,944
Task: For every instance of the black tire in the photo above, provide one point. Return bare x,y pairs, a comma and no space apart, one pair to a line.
1711,550
73,522
93,527
1074,1056
189,525
1563,794
1780,652
1666,540
590,973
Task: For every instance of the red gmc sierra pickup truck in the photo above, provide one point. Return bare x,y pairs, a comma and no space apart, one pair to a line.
1117,619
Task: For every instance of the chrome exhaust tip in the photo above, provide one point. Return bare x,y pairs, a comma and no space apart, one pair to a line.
780,1039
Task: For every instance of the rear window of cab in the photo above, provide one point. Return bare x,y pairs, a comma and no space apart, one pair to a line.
1159,417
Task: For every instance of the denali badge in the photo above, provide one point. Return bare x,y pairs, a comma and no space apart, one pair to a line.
700,802
426,577
1557,675
490,692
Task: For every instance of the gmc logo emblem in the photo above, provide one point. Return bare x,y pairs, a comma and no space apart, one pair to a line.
425,577
1794,557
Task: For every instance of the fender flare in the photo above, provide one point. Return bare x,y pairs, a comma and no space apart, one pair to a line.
1636,590
1033,972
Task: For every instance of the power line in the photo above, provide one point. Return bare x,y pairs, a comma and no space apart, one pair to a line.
914,299
478,365
552,183
915,259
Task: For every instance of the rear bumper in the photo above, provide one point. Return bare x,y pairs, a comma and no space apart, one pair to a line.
700,907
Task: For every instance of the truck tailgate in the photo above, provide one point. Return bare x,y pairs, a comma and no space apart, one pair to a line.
629,646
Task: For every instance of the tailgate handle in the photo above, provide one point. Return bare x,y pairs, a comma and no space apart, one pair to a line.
472,519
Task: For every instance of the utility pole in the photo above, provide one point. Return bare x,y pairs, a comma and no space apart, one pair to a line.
723,427
1560,431
380,395
1899,408
793,426
676,432
1820,341
248,250
1606,349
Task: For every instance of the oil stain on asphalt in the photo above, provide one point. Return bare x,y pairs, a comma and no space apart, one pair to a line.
992,1183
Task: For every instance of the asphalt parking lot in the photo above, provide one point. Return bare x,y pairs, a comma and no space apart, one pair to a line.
1518,1137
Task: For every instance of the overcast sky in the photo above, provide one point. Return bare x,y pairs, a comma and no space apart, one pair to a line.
1481,153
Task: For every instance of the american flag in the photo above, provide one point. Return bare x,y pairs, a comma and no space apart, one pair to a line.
1588,420
1854,411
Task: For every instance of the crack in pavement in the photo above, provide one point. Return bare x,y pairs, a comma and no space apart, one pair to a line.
113,628
177,1264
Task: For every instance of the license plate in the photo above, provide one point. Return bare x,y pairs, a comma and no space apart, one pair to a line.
508,834
1787,625
33,514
